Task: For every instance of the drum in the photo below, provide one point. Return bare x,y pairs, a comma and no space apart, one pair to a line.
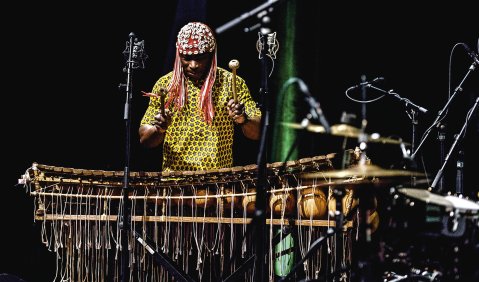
463,218
430,235
417,212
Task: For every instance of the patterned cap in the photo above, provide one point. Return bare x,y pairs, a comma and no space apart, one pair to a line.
195,38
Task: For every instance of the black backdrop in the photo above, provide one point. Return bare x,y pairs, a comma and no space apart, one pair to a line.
63,65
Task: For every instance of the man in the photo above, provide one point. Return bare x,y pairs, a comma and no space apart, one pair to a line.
192,111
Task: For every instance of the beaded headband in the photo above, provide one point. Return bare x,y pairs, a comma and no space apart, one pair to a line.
195,38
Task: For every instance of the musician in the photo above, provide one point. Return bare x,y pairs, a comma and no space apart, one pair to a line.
192,111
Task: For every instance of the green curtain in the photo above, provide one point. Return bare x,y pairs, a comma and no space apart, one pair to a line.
284,137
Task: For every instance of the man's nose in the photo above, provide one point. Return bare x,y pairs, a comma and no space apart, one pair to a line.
194,64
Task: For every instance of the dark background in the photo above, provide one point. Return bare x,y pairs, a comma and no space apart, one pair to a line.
63,64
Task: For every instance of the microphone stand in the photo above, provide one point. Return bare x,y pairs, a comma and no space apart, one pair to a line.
441,112
262,181
412,114
125,219
456,140
135,59
362,139
255,11
441,137
135,55
258,222
460,173
362,266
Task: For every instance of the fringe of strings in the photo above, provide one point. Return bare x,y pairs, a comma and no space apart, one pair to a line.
87,243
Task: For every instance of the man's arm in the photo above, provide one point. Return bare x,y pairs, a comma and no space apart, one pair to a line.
251,127
151,135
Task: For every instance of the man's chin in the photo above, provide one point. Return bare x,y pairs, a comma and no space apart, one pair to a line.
194,77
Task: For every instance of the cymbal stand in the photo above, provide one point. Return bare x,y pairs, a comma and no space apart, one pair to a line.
443,111
456,140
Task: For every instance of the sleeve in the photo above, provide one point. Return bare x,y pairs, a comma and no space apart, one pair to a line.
244,96
154,104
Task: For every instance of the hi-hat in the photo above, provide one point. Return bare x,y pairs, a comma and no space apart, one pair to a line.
362,171
344,130
426,196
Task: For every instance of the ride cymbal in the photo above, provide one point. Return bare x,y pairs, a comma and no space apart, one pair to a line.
362,171
426,196
343,130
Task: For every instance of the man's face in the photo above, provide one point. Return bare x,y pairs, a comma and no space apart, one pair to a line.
196,67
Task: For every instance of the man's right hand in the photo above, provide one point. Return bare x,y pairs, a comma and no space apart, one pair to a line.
162,120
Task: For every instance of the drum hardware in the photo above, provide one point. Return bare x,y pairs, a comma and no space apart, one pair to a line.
435,237
415,274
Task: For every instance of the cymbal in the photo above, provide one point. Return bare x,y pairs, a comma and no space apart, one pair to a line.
426,196
463,204
362,171
344,130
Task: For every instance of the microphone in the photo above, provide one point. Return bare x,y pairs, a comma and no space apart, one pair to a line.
315,108
471,53
460,173
367,83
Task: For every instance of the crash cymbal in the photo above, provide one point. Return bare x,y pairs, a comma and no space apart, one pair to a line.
426,196
343,130
463,204
362,171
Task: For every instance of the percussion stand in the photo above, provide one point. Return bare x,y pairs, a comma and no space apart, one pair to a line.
338,193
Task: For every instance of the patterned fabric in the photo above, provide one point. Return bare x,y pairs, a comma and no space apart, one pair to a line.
190,142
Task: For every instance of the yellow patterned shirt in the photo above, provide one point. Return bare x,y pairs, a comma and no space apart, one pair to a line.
192,144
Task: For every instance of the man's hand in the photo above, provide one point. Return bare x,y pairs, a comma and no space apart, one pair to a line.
236,111
162,120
